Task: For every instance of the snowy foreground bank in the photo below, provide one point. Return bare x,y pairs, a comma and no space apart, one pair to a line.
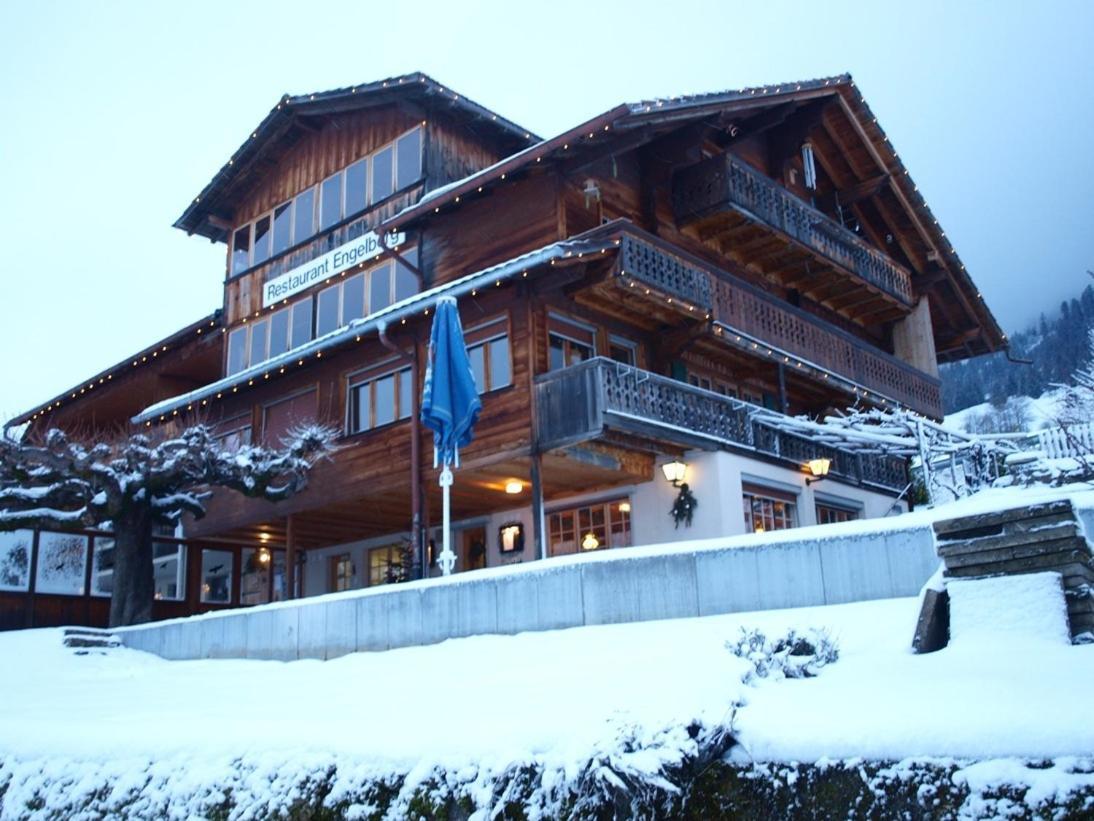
483,722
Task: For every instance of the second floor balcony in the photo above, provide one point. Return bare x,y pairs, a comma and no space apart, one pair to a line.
724,197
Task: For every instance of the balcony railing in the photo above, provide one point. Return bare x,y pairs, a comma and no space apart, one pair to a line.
723,182
584,401
750,311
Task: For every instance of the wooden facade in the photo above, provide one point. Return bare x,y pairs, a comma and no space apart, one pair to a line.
707,254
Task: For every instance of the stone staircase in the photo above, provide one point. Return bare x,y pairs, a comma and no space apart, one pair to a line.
1033,539
85,640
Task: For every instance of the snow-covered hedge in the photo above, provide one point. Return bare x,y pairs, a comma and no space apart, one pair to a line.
700,786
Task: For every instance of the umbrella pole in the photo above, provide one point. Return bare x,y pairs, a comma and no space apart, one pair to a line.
447,559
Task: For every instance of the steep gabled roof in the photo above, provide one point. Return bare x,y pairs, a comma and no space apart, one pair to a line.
282,127
658,115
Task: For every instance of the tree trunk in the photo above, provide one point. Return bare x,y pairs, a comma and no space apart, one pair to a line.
134,586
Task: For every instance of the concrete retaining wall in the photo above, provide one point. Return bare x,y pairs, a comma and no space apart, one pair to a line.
819,566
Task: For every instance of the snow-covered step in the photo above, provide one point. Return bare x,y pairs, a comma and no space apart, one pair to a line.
85,638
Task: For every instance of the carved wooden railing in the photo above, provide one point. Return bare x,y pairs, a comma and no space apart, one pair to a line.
580,402
667,273
745,309
723,182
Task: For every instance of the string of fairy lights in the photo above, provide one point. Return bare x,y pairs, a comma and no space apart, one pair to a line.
459,197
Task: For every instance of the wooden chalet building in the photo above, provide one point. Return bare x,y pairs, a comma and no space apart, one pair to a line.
630,291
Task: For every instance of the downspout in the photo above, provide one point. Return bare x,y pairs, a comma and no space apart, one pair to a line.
415,449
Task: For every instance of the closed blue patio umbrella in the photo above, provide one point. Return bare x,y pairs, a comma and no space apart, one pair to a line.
450,405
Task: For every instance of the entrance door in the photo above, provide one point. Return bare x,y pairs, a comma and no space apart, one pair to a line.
472,549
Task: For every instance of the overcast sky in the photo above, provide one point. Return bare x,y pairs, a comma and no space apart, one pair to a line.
115,115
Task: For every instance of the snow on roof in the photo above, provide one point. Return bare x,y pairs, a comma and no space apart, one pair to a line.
376,322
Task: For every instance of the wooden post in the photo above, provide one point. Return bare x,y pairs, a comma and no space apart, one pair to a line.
539,536
290,558
784,405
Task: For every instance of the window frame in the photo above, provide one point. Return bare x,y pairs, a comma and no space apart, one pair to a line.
774,496
607,507
369,377
481,335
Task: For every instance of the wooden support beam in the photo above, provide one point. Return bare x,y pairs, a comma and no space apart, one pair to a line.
290,557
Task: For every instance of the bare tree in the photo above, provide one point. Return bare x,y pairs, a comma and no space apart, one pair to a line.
135,483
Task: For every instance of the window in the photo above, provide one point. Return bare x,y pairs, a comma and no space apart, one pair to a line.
279,332
379,399
341,573
216,576
830,514
327,310
262,241
488,349
406,282
15,550
379,287
168,571
254,576
383,169
766,509
330,201
357,187
62,562
386,565
282,228
303,216
260,342
102,566
700,381
622,350
237,350
340,196
569,343
232,434
353,298
593,527
301,331
408,150
241,249
282,416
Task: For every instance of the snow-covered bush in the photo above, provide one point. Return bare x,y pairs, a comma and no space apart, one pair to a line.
795,655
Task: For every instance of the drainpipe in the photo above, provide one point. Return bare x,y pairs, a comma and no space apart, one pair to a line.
415,448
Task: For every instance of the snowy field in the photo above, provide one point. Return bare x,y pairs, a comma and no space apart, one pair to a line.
486,704
1009,687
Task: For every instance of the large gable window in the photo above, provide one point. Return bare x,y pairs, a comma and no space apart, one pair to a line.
391,168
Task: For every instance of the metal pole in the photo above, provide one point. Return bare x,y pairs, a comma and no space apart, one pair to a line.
448,558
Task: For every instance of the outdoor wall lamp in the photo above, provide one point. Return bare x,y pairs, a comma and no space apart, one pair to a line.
818,468
263,556
675,471
590,542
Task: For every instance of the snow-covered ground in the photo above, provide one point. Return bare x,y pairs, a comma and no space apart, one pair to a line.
557,698
1043,412
1009,686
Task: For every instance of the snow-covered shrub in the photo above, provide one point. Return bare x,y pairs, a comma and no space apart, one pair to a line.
795,655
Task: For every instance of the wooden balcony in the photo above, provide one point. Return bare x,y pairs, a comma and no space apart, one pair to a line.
599,397
726,200
657,285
